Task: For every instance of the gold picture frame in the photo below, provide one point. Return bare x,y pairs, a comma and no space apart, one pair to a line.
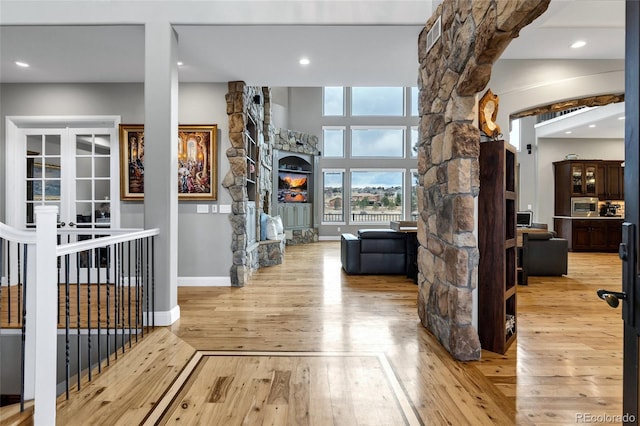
196,169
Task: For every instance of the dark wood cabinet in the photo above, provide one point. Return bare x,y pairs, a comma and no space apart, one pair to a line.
497,276
590,234
573,179
610,180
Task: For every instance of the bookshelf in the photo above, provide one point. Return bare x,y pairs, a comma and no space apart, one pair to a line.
497,270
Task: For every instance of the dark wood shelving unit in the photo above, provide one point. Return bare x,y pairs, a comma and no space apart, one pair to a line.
497,270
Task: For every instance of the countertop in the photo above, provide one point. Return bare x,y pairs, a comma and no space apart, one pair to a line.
589,218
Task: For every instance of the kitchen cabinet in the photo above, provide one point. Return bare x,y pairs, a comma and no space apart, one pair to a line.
573,178
590,234
610,180
586,178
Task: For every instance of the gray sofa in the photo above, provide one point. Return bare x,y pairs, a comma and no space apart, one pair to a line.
374,251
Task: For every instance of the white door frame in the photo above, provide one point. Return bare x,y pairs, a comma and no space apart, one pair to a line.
14,177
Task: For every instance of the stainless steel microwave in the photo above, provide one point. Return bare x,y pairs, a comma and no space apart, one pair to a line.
584,206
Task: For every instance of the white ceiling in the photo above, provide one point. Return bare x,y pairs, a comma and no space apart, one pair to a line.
375,54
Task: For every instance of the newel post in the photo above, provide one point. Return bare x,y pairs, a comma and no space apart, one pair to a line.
45,316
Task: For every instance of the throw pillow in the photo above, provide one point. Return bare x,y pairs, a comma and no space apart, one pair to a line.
272,233
263,226
279,225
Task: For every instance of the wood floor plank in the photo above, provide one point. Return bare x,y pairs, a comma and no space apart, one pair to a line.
567,358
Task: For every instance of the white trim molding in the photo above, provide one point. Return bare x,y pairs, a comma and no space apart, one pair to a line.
204,281
164,318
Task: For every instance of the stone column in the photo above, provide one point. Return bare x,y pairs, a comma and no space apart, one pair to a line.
457,67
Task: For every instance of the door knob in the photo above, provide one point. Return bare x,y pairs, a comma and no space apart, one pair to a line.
61,224
72,224
611,297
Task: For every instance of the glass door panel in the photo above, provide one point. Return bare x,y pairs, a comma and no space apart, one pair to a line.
576,179
43,174
590,179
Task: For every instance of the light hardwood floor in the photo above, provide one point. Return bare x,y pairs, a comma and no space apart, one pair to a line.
304,343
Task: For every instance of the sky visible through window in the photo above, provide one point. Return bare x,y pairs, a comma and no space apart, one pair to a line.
333,101
384,179
333,143
377,142
377,101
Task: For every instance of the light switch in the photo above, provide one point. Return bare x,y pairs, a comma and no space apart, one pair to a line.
225,208
214,208
202,208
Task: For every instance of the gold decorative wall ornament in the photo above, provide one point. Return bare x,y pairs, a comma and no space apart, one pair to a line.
488,113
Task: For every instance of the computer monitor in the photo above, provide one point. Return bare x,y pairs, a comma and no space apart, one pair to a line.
524,219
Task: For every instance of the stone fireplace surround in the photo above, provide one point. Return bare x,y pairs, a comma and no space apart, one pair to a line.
244,101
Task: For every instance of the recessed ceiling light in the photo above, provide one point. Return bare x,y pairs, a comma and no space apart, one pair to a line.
568,132
22,64
592,125
621,118
304,61
578,44
180,63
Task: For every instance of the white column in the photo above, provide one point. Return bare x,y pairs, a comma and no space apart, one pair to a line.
45,316
161,162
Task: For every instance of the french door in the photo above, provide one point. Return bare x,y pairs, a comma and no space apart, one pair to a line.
75,169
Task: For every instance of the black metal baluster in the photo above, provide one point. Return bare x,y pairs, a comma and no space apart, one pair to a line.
122,316
9,282
24,327
99,262
153,283
67,324
18,246
116,298
137,288
146,293
108,284
1,273
59,239
129,289
142,284
78,337
90,255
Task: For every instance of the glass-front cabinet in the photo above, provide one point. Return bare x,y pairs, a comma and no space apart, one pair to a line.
583,179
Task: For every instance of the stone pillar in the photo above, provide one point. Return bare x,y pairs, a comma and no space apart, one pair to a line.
473,35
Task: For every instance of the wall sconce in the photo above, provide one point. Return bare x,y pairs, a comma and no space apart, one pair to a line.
528,148
256,99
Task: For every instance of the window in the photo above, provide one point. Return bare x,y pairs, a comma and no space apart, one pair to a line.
377,142
333,142
414,195
377,101
333,195
376,196
415,95
333,101
414,142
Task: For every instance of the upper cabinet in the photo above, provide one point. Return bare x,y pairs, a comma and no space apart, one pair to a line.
586,178
583,179
610,180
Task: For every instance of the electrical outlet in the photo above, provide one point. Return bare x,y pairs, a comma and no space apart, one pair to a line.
338,229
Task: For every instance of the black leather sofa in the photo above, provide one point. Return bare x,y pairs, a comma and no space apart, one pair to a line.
374,251
544,255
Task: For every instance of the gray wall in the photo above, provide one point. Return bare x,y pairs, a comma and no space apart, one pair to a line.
203,238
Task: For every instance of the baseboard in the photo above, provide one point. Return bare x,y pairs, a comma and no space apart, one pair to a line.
164,318
204,282
329,238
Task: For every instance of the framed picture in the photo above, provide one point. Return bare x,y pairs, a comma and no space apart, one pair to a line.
195,171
